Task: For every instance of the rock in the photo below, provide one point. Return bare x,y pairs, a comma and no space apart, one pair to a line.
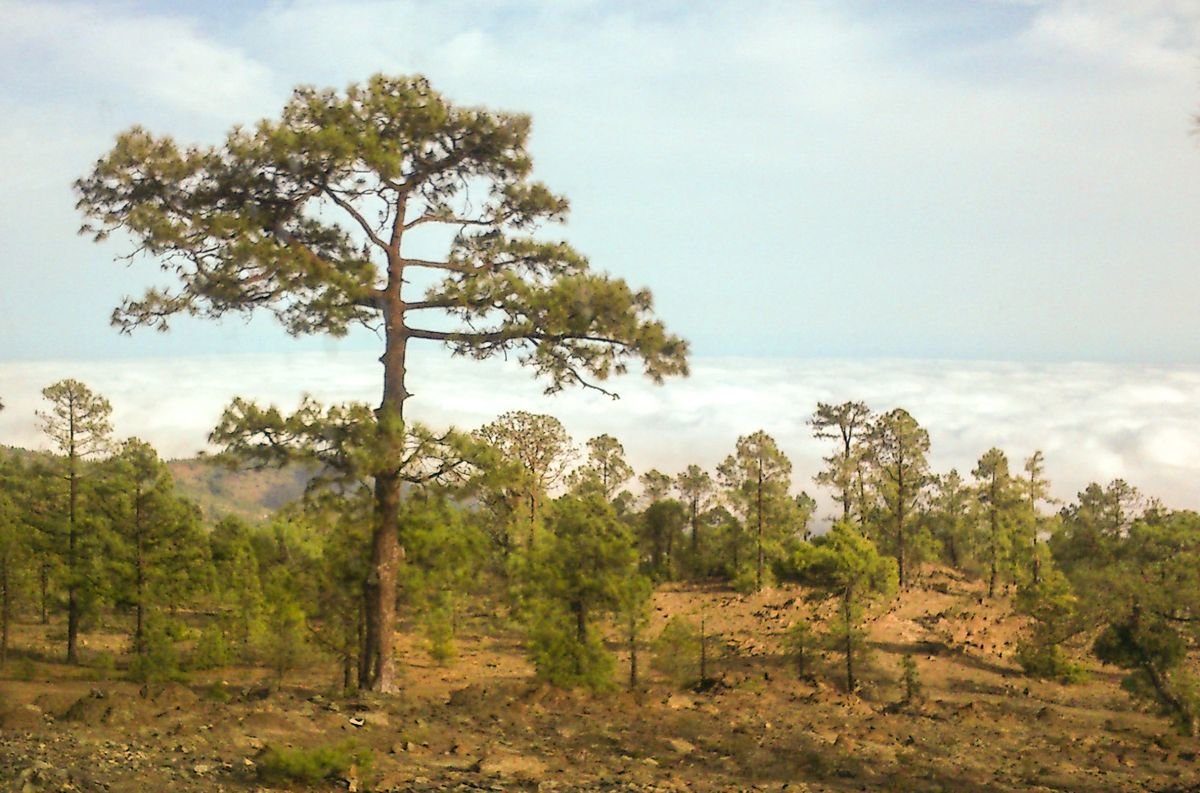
681,746
174,695
200,769
680,702
91,709
512,766
376,718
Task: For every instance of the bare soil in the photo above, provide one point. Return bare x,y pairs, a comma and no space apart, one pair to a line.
485,723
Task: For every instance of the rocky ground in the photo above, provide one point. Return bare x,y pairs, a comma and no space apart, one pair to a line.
485,724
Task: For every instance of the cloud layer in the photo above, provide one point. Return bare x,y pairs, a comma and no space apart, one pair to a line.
1094,422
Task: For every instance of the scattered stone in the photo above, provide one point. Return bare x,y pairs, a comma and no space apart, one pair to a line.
512,766
681,746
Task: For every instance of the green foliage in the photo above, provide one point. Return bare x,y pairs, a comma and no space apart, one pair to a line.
445,553
286,644
897,449
277,765
212,649
844,564
910,677
677,652
604,470
1049,661
304,217
577,577
1153,651
695,487
561,657
846,424
159,660
1051,603
756,478
633,614
534,451
660,534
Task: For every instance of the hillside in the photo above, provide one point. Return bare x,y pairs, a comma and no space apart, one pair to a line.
485,723
249,494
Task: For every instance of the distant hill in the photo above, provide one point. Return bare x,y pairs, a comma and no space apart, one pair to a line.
219,491
252,495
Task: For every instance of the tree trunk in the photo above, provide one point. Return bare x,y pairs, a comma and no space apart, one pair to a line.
758,571
72,571
380,666
44,581
695,528
849,643
5,613
995,542
633,659
139,634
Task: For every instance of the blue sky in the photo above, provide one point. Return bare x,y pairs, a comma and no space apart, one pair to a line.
986,180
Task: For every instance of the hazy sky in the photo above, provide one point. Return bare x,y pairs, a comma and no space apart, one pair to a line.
976,180
987,212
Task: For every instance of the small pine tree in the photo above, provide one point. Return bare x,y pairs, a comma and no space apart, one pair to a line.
801,644
846,565
677,652
911,678
576,578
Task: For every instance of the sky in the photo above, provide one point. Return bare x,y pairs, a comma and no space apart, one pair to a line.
1002,196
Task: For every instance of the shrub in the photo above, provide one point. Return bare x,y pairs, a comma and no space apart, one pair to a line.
560,657
677,652
1048,661
212,649
333,761
158,661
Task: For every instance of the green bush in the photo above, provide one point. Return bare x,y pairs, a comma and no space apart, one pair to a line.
1048,661
212,649
677,652
438,625
561,658
333,761
158,661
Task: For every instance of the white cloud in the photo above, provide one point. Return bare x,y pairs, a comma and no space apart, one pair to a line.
119,52
1093,422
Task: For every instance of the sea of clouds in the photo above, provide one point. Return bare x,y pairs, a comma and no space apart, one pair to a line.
1094,422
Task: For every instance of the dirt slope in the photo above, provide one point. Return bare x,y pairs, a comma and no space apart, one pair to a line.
484,723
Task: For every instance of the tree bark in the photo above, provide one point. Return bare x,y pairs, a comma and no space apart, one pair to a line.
758,572
72,572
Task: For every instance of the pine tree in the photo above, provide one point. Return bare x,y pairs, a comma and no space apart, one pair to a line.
1000,506
157,554
314,218
844,564
694,486
757,477
847,424
898,449
577,578
604,470
78,425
